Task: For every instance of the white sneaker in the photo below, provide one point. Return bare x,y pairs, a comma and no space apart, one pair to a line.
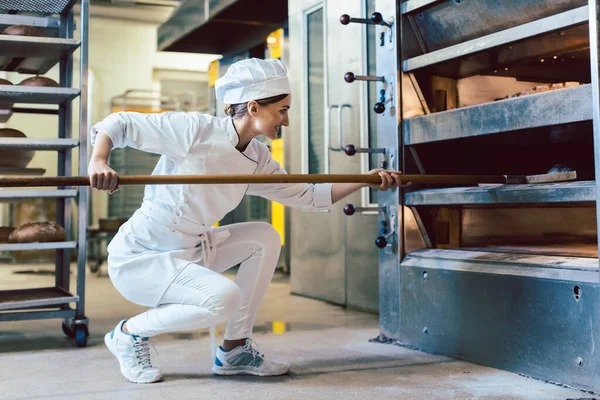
133,354
247,360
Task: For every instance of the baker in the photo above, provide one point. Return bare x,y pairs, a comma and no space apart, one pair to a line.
168,257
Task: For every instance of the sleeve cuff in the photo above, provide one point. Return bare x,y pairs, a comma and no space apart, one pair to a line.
110,127
322,196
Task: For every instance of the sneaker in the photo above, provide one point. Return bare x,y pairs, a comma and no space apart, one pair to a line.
247,360
133,354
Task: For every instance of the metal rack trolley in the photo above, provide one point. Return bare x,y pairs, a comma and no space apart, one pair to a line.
36,55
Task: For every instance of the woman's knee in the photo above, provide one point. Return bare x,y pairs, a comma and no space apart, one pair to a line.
227,298
268,234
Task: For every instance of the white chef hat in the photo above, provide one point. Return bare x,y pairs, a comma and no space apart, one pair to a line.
252,79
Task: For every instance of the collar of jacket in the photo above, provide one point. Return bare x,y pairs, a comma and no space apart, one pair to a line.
232,132
251,152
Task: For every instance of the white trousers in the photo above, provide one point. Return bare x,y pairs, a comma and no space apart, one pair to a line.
200,297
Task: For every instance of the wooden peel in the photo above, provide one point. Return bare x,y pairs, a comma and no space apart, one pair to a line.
270,179
252,179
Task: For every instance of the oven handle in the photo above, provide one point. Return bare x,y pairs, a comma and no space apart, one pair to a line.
328,126
340,127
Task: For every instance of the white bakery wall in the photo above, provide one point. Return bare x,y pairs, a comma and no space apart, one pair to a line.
122,56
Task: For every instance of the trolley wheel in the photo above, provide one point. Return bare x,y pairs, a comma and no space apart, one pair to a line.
68,330
81,336
94,266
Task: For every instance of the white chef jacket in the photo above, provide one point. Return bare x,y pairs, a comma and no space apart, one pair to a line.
162,236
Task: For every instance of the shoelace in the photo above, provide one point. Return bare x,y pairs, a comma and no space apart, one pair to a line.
142,352
252,347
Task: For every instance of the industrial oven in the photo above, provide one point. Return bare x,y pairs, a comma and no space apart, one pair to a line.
500,275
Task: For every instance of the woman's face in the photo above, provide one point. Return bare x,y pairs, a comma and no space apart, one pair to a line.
268,119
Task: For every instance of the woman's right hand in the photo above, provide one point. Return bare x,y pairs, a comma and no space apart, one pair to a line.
102,177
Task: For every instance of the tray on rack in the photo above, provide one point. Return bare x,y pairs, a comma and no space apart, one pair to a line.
33,55
29,298
564,192
556,107
13,171
14,195
37,144
561,40
43,6
37,246
35,95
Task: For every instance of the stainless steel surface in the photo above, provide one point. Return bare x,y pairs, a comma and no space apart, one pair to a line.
496,263
388,127
362,270
328,136
316,239
594,8
569,192
336,262
38,144
348,54
532,319
15,195
33,55
36,95
37,246
341,127
410,6
449,22
234,26
529,30
29,315
187,16
556,107
44,6
29,298
345,53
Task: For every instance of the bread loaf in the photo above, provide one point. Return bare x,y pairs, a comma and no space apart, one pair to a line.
5,232
38,232
22,30
39,81
11,157
5,82
542,89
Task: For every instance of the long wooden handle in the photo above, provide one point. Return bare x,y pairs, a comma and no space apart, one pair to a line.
249,179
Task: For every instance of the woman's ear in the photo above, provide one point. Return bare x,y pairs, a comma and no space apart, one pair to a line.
252,108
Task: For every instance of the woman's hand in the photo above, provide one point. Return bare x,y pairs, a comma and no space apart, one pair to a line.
102,177
389,179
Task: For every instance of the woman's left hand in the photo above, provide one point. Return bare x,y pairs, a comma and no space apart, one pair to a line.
389,179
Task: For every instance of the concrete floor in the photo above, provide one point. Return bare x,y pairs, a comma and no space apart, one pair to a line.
328,347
